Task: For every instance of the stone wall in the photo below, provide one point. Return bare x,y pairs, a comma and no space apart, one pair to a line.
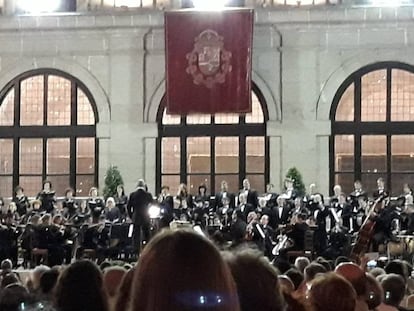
300,58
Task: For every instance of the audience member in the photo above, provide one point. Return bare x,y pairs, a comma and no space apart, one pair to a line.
182,271
331,292
80,288
260,288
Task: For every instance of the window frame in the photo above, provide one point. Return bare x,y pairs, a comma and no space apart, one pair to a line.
242,130
44,131
360,128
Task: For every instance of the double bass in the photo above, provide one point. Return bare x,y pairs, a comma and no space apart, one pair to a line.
365,233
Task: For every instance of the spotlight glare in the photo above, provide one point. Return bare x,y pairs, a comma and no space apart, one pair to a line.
209,4
34,7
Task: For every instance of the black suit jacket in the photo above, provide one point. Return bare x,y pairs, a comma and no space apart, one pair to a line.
138,206
283,220
219,197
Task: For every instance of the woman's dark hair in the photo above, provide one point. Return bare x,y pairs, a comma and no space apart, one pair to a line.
80,288
256,280
67,190
48,280
393,286
331,292
47,182
18,188
182,271
13,296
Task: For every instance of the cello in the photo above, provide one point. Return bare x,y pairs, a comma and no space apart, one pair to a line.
365,233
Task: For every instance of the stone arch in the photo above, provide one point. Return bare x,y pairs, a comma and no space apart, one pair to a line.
86,77
272,106
338,76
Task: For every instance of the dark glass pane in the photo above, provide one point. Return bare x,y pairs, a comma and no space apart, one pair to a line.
344,153
31,156
83,184
31,101
257,182
7,109
6,157
398,180
32,185
198,155
6,186
58,156
345,109
60,184
227,155
402,153
374,153
194,181
346,181
171,181
85,155
374,96
58,101
255,154
402,95
232,181
369,182
170,155
86,115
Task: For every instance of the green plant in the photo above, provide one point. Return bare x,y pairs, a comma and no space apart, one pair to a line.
298,184
113,179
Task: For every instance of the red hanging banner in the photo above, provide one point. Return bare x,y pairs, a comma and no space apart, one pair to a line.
208,61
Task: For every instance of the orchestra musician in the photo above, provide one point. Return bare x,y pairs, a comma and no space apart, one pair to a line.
244,206
238,228
21,200
48,197
343,210
121,201
295,235
282,213
69,205
357,194
225,212
381,191
112,212
251,195
290,193
337,189
383,217
267,241
270,196
318,215
223,193
166,202
95,204
183,204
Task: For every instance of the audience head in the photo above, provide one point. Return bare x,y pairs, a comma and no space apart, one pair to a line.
181,270
377,271
312,270
296,276
80,287
375,292
9,278
260,288
13,296
393,286
398,267
123,298
331,292
36,275
112,279
6,265
48,280
355,275
286,285
301,263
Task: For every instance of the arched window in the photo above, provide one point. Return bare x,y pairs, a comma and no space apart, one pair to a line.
47,131
373,128
207,149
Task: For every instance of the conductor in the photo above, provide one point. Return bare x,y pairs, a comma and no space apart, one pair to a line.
137,208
